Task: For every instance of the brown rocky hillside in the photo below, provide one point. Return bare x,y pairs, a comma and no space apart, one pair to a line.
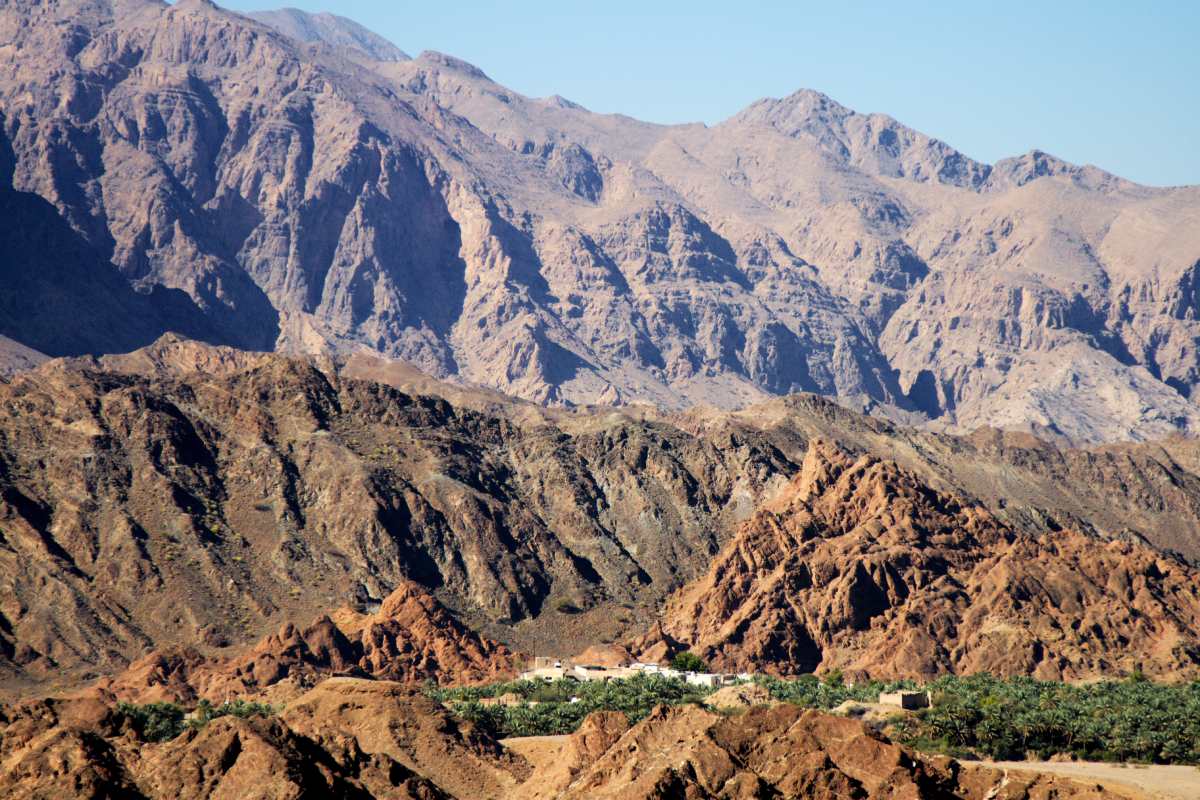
860,566
411,640
186,496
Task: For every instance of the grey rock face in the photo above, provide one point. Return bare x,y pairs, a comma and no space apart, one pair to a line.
302,185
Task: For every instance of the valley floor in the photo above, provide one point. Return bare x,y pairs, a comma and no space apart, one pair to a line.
1134,781
1138,781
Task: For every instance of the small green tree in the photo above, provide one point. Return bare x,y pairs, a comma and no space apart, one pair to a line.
688,662
206,712
155,722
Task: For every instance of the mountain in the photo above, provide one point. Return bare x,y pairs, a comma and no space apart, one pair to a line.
295,183
187,497
186,494
16,357
860,566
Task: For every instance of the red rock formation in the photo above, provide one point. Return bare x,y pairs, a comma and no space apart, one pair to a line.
784,751
80,748
412,640
861,566
389,719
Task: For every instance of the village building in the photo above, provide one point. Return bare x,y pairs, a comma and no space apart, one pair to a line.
544,674
594,672
546,668
710,680
906,700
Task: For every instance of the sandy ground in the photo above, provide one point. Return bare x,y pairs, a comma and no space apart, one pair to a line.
1137,781
551,770
540,751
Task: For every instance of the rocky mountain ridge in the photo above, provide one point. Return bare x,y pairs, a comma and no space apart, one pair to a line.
860,567
188,496
313,190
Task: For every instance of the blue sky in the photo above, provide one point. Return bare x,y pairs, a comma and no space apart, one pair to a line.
1116,84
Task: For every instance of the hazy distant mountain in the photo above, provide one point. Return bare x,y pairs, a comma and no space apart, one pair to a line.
330,29
343,196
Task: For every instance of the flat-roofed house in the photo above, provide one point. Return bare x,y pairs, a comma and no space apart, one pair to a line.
905,700
594,672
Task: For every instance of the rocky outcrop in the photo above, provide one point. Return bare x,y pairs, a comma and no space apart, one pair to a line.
81,748
16,357
411,729
785,751
294,182
860,566
411,640
368,739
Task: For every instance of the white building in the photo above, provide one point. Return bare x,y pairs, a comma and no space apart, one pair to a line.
544,674
712,680
589,672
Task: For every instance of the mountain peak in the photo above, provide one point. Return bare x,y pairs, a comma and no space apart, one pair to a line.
812,101
558,101
450,62
1035,164
337,32
874,143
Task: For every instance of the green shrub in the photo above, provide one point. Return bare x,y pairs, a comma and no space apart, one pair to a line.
161,722
688,662
154,722
243,709
812,692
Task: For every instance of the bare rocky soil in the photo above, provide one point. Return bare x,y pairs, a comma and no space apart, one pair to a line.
1136,781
